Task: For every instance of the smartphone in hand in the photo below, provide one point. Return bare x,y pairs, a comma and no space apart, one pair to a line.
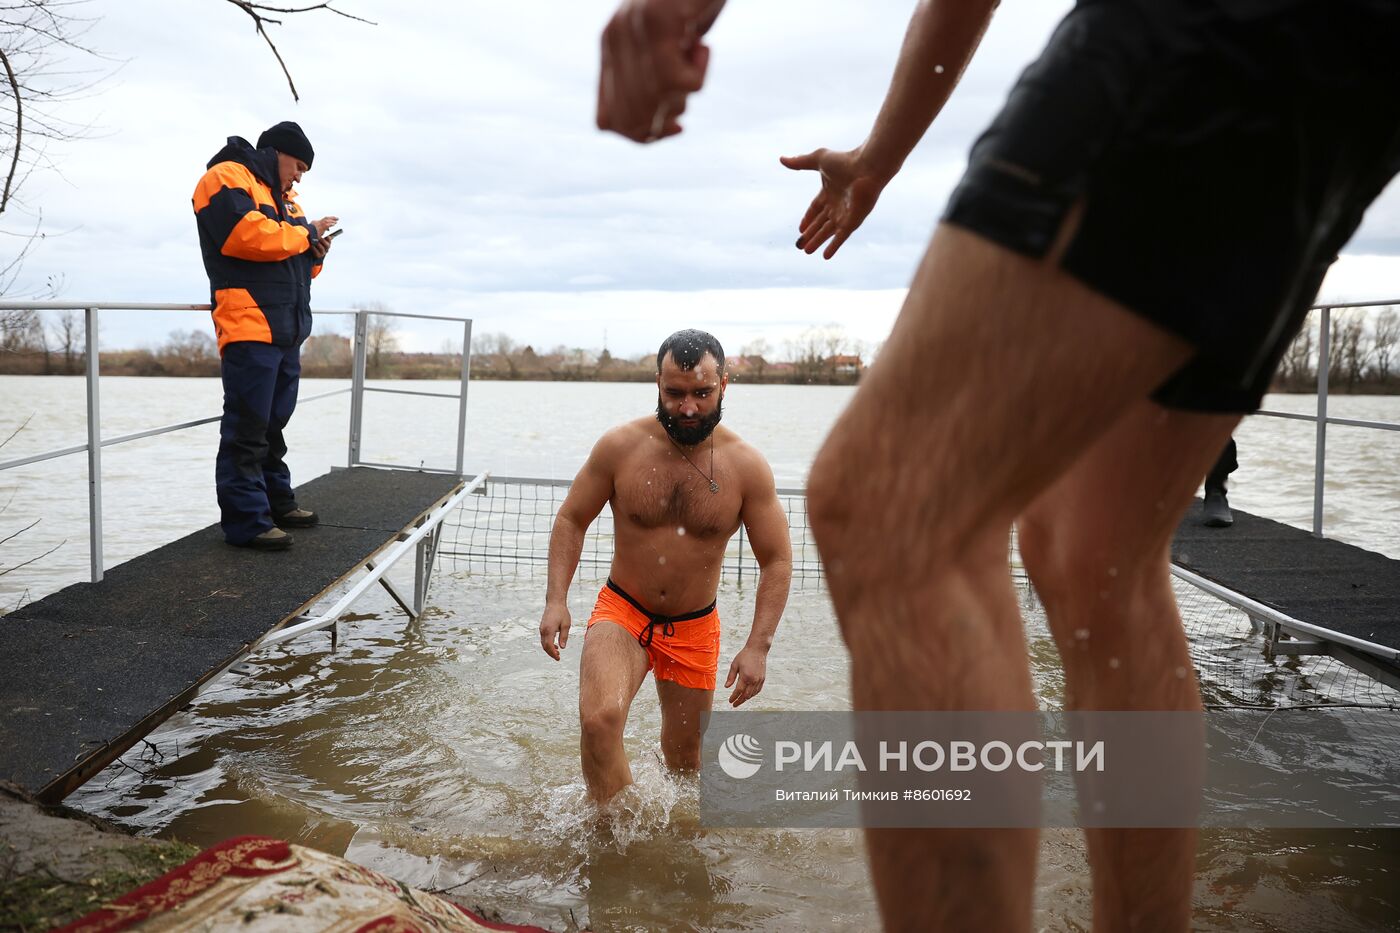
334,233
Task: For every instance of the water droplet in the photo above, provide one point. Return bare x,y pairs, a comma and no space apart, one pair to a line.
1181,673
1113,663
1082,634
1113,571
680,531
938,69
661,560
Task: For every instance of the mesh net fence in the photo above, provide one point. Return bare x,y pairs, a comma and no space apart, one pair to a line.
506,528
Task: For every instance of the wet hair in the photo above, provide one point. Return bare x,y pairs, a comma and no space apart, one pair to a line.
689,348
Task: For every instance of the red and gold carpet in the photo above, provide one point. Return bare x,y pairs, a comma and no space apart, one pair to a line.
254,884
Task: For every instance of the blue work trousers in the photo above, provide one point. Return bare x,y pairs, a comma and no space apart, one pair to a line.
260,394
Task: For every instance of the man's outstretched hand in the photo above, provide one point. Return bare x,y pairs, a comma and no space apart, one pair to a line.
652,60
849,192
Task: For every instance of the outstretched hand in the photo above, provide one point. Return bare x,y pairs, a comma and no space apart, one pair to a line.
848,195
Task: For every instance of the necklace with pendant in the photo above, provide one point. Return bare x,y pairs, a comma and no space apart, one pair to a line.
714,487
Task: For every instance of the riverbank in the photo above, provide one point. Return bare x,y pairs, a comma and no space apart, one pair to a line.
58,864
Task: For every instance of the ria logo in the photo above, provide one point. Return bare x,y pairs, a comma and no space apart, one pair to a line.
741,756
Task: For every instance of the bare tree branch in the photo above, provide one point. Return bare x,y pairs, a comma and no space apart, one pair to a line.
31,560
23,424
256,11
21,531
19,131
248,4
43,63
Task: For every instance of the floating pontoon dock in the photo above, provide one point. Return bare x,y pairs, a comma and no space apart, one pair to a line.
88,671
1310,595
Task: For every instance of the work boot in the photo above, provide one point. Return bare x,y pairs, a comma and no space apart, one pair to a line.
1217,509
296,518
274,539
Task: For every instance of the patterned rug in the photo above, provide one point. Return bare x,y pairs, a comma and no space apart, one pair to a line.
254,884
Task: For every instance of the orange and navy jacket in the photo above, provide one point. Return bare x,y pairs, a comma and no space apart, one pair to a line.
256,245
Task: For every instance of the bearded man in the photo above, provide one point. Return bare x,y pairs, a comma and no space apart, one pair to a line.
679,486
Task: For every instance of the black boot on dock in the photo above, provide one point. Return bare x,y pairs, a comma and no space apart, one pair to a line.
1217,509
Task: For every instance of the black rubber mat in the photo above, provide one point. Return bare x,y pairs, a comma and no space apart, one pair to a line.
89,670
1328,583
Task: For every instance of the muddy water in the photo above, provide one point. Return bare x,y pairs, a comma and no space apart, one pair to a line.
445,751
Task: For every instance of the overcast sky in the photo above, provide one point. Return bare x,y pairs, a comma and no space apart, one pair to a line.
455,140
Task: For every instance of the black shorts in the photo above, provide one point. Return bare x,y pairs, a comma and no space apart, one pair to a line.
1223,151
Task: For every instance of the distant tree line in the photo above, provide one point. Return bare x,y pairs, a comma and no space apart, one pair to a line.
52,343
1364,353
818,356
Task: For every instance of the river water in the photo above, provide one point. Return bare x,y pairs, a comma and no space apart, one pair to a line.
445,751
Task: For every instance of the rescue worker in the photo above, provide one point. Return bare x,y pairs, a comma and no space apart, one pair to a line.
260,253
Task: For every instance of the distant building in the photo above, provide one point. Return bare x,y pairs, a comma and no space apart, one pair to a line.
845,365
751,363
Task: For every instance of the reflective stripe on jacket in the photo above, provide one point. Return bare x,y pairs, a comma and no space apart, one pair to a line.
256,246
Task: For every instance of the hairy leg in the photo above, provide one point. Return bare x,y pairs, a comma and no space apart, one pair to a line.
610,673
1000,372
683,714
1097,546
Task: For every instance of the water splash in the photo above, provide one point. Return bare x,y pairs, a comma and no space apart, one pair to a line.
565,817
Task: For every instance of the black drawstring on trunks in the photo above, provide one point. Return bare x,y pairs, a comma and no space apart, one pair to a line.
667,623
668,630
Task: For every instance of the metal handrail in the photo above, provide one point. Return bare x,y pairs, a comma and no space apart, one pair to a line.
95,442
1324,373
412,392
332,615
139,435
564,483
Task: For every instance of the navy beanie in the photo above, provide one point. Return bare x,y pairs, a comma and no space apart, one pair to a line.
287,137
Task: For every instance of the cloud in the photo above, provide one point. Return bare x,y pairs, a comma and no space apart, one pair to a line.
455,140
1358,278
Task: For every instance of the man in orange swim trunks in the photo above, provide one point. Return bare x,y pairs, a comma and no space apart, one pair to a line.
679,486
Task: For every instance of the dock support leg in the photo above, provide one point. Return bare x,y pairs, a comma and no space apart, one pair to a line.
424,562
393,591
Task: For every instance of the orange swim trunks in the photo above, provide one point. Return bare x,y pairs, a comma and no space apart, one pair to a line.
683,649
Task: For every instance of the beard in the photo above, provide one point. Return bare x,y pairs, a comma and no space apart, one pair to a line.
689,436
